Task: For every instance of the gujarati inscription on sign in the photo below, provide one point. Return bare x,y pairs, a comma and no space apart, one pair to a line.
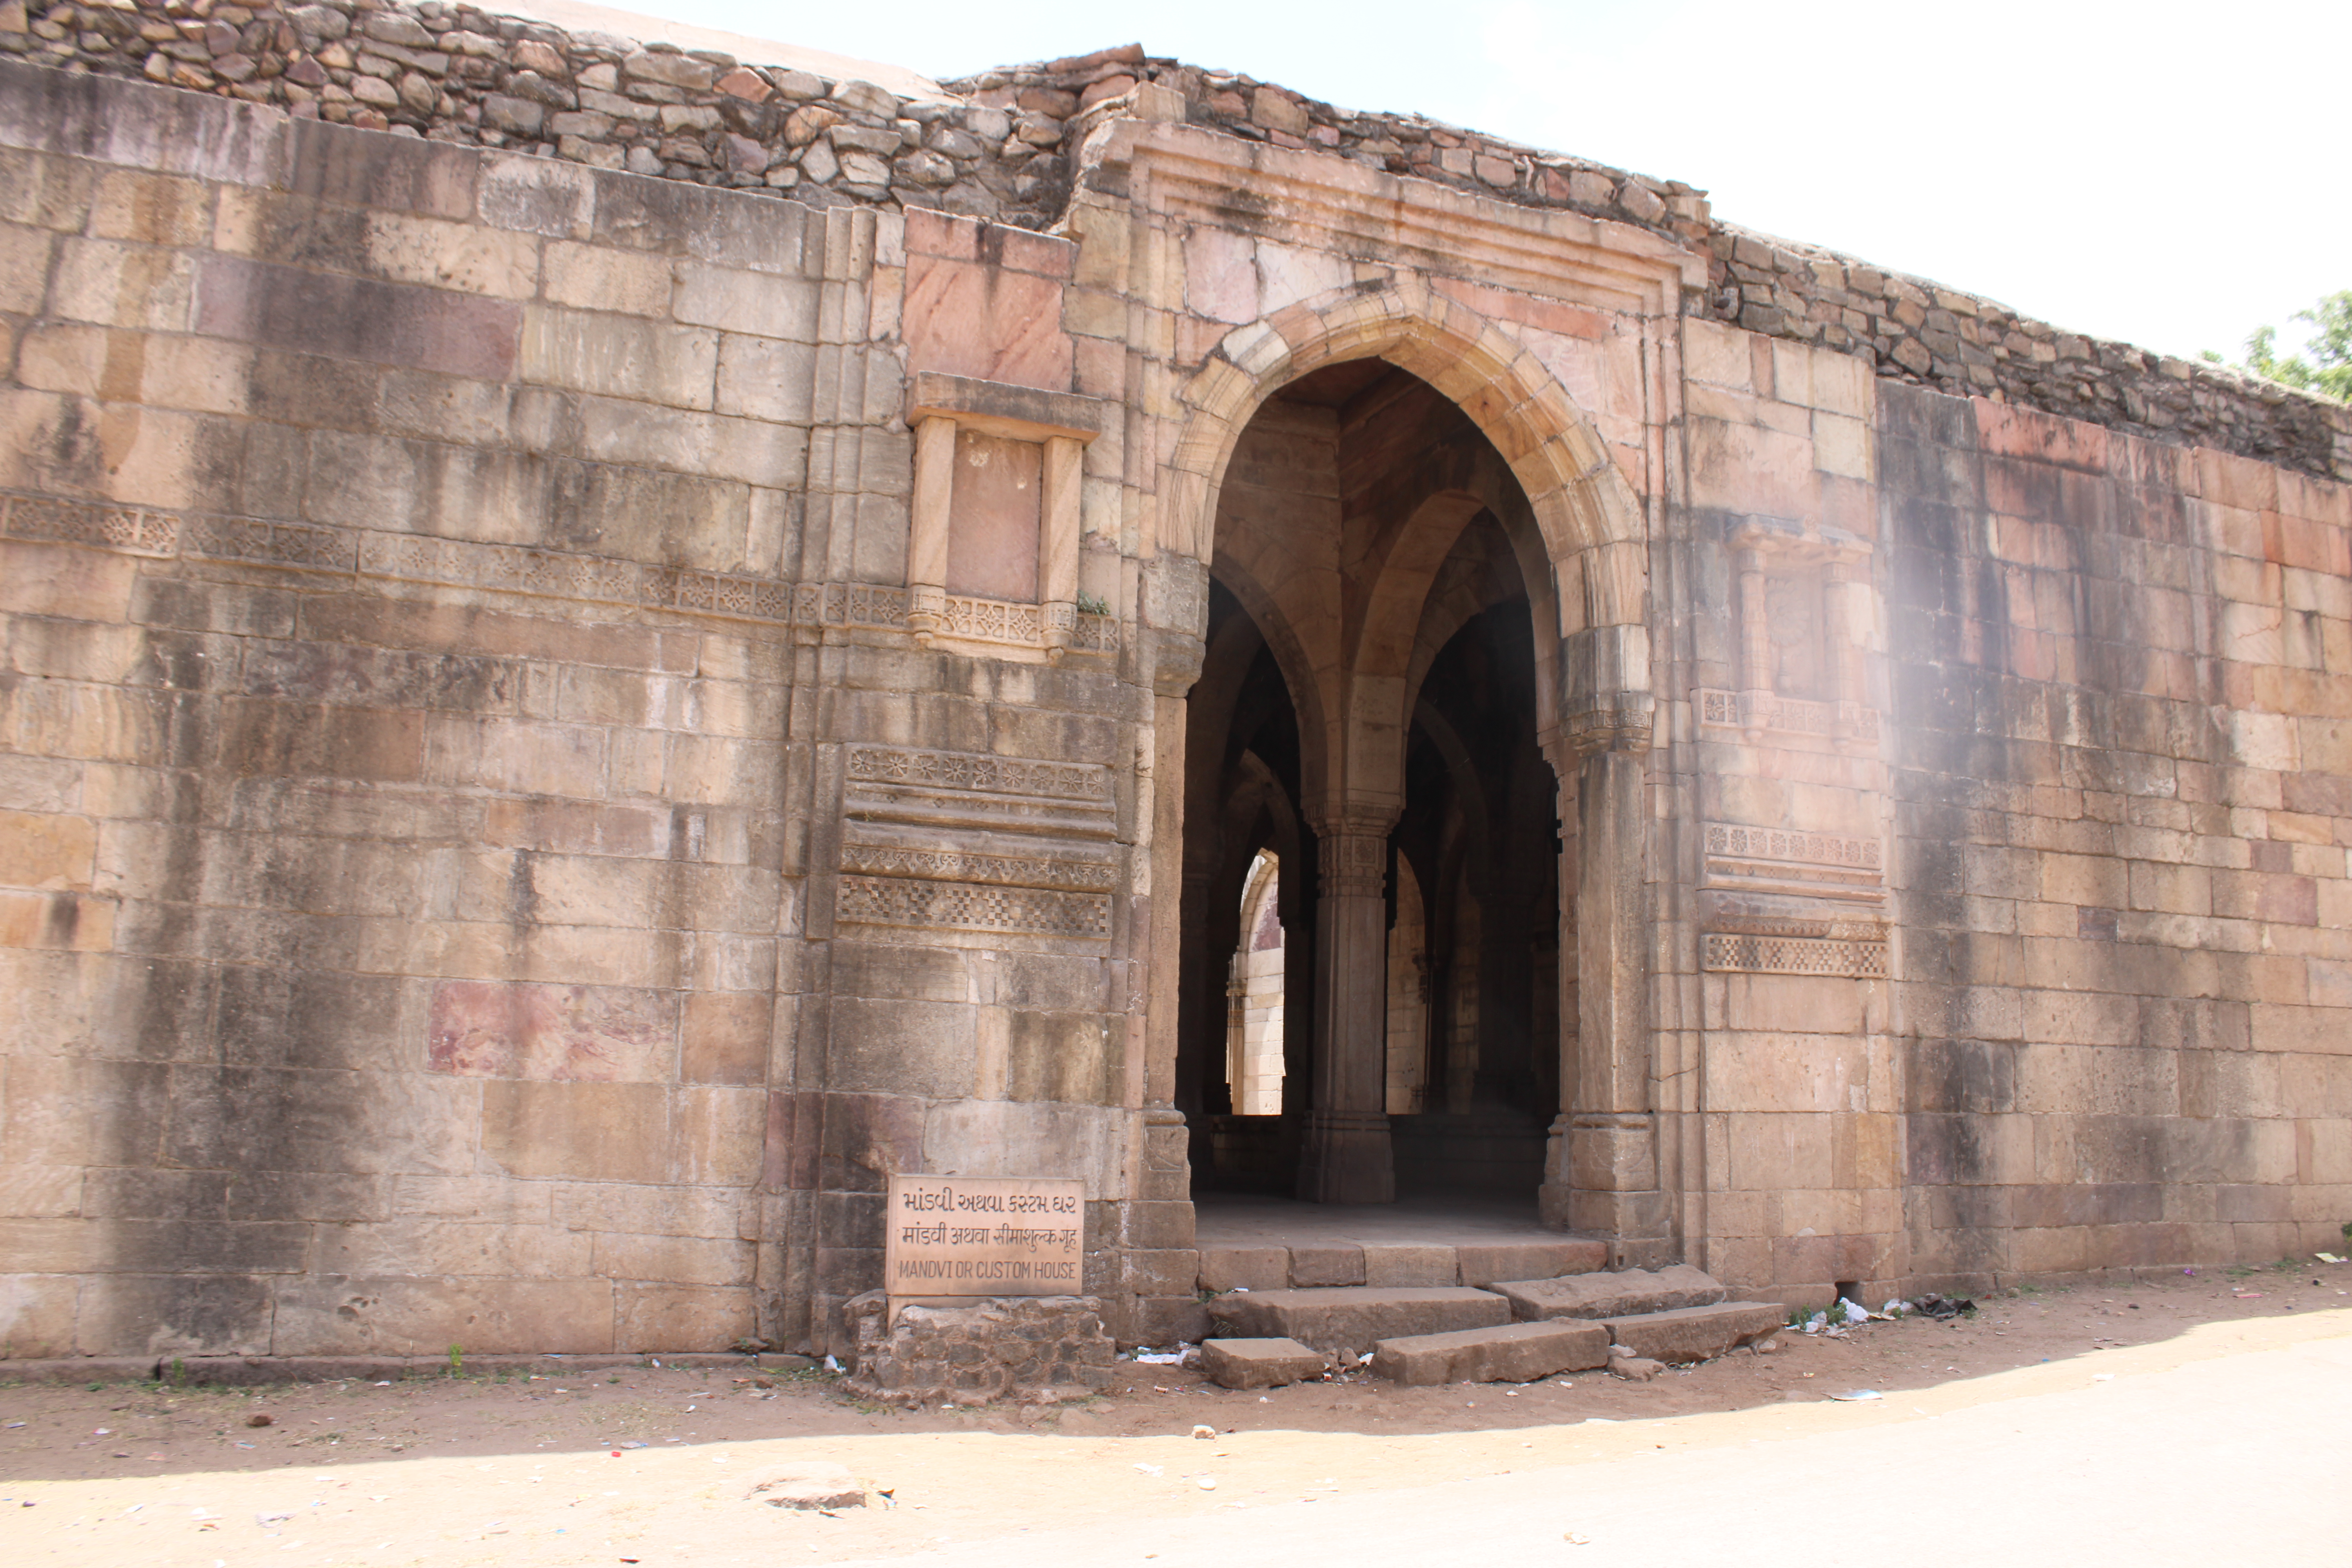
985,1235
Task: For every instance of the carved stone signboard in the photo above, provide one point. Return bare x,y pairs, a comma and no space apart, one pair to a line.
985,1235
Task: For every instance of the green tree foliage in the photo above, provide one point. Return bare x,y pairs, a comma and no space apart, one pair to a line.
2328,369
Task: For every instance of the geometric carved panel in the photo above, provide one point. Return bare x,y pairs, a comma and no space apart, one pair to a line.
1740,953
963,906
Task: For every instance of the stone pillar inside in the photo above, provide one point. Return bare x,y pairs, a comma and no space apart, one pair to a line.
1347,1158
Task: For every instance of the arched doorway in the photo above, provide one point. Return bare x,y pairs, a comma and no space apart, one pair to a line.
1580,536
1368,718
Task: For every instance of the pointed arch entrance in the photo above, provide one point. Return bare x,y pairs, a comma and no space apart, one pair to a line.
1368,481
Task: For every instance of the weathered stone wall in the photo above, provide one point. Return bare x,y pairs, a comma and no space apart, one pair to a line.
1782,1057
414,554
560,725
1006,146
402,834
2122,683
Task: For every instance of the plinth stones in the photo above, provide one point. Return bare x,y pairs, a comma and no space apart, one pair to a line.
1259,1363
1516,1352
1695,1333
1346,1319
1011,1347
1617,1295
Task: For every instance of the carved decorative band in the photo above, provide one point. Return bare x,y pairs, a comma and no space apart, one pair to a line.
131,530
1737,841
1353,865
956,865
1787,715
1726,951
964,906
507,568
991,776
1621,723
1826,928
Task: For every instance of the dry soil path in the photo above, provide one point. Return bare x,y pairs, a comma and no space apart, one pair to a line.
2147,1437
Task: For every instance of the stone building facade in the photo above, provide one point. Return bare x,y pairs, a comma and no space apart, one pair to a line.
576,695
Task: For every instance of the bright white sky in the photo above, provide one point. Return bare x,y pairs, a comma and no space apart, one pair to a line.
2168,174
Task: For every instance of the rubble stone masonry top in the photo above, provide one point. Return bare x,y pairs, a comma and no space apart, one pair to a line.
1002,145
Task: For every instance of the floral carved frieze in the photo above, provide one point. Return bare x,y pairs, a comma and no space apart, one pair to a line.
1771,714
962,841
966,771
963,866
1831,865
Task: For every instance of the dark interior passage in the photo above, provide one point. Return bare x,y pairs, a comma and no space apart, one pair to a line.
1390,496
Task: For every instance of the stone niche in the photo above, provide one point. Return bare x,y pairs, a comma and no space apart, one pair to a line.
993,555
1799,896
1803,605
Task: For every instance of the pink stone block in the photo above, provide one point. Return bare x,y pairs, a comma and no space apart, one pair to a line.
1546,315
931,233
993,324
1221,276
992,537
2007,430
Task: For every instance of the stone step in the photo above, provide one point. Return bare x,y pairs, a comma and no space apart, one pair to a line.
1695,1334
1616,1295
1352,1317
1269,1265
1516,1352
1259,1363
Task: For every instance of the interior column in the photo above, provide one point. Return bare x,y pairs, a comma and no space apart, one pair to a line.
1346,1159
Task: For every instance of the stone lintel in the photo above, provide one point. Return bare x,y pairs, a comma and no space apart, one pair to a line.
997,408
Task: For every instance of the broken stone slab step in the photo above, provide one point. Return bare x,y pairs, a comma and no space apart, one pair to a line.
1618,1295
1516,1352
1695,1333
1259,1363
1348,1318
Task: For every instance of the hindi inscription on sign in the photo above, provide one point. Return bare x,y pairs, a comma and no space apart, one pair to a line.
985,1235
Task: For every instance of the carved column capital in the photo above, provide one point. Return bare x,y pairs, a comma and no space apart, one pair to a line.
1606,704
1354,860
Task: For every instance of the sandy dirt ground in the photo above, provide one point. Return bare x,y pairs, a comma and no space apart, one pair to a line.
651,1466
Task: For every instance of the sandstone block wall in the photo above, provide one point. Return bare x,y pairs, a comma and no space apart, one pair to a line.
394,731
559,724
2121,673
1780,1041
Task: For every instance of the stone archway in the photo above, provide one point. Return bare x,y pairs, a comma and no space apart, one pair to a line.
1601,1170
